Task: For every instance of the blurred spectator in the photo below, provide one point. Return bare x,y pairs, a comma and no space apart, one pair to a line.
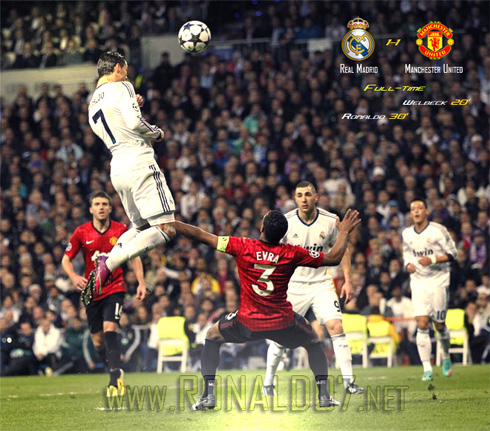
477,322
26,58
77,352
10,307
479,251
7,337
130,339
377,304
47,342
92,52
49,58
200,329
22,360
309,30
405,325
72,54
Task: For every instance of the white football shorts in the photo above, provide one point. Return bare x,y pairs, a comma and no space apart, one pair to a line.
321,297
430,301
145,196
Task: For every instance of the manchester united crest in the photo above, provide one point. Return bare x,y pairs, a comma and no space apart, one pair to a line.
435,40
358,44
113,240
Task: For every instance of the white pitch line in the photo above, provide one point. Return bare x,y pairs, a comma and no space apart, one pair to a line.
107,409
59,394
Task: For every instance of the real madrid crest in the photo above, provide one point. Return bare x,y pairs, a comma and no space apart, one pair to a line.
358,44
435,32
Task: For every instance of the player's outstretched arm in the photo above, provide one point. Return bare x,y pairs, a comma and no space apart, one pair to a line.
347,225
196,233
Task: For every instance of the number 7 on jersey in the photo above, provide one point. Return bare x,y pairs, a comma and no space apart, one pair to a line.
100,114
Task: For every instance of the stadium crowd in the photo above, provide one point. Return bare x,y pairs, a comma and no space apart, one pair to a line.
240,135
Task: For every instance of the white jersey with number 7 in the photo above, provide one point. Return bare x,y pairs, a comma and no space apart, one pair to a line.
115,117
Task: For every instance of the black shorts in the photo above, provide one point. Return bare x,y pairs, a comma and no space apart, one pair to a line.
108,309
298,333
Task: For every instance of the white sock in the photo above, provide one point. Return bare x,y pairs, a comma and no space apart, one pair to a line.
139,243
424,347
444,338
274,355
343,357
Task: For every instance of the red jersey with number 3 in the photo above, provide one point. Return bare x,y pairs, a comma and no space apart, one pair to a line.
90,241
265,270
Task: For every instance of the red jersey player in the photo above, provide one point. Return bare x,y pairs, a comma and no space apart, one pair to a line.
265,267
104,310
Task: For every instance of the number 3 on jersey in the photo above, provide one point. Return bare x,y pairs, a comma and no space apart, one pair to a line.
100,114
264,278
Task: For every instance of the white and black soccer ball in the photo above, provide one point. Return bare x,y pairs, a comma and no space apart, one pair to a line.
194,36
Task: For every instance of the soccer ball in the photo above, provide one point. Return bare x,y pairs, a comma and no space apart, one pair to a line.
194,36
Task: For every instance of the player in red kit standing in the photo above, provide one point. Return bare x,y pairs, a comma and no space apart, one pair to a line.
104,308
265,267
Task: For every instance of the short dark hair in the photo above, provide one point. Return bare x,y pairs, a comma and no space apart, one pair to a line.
107,62
275,226
419,200
100,194
303,184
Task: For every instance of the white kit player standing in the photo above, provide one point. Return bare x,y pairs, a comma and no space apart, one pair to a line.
315,229
427,251
115,117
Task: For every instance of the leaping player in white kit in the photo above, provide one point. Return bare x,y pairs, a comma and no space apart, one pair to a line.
427,251
315,229
115,117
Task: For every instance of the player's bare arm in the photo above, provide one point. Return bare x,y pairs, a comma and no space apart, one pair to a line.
196,233
137,267
347,290
78,281
348,224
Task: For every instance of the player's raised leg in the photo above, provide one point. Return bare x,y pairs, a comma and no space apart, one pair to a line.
151,211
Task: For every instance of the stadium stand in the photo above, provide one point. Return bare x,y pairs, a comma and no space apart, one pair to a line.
240,134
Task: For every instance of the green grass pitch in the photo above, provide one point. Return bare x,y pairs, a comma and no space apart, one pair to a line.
395,399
